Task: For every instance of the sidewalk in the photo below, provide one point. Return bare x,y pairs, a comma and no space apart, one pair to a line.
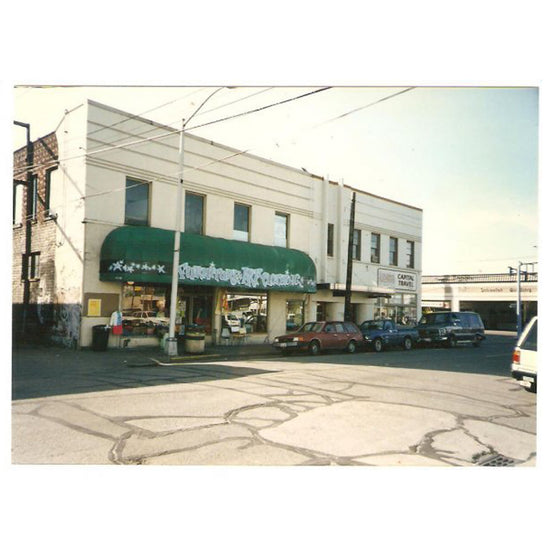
149,355
214,353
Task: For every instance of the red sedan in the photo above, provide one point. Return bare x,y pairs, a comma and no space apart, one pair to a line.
321,335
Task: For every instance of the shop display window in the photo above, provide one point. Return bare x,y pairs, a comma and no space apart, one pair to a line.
245,312
144,310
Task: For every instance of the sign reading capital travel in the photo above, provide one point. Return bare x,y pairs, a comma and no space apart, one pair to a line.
398,280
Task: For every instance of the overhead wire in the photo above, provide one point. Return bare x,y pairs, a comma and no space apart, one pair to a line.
170,133
238,153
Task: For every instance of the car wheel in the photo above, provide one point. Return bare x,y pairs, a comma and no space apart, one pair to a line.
351,347
377,345
407,344
314,347
451,343
477,342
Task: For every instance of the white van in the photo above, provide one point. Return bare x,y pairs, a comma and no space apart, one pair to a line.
524,358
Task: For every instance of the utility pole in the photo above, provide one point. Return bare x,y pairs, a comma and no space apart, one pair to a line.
28,226
172,342
349,273
519,312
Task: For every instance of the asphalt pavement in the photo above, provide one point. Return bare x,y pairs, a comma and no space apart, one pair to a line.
249,406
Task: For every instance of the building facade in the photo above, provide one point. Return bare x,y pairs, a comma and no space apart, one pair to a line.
493,296
264,246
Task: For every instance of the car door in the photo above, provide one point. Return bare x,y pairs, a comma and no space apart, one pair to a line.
391,333
330,337
459,327
341,335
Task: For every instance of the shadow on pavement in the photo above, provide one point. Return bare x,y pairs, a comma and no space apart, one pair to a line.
47,372
492,357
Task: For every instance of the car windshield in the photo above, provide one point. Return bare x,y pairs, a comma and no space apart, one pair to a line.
311,327
435,319
372,325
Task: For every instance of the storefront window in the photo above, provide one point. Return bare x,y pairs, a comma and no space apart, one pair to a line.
144,310
400,308
294,314
246,312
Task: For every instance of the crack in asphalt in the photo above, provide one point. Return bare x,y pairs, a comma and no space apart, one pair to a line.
294,394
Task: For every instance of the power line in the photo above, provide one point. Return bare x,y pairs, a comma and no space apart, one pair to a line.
261,108
187,171
171,133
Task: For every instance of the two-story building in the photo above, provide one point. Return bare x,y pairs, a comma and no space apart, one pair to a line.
263,246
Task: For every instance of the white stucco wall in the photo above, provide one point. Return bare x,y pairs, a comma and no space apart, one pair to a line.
224,177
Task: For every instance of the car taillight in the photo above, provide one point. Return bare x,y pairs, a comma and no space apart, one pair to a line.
516,356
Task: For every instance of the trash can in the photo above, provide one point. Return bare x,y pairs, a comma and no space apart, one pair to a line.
194,339
100,337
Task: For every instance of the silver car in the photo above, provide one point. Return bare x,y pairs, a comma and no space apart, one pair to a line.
524,358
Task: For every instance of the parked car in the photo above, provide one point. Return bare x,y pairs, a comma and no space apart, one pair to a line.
524,357
321,335
383,333
232,322
451,328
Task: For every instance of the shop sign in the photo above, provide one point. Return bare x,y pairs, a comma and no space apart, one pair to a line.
398,280
245,277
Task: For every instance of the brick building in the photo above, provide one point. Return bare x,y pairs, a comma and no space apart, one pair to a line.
34,239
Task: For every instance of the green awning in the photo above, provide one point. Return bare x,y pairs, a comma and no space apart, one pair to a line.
145,255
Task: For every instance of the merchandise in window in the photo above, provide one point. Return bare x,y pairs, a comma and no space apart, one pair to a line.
244,313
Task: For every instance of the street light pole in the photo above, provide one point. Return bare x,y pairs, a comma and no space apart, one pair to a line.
172,342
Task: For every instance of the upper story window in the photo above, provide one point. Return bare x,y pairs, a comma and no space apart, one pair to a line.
33,198
194,213
356,245
17,202
330,239
48,192
137,202
393,251
281,229
375,248
241,222
410,254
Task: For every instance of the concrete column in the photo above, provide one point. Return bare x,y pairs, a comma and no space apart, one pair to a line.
335,311
365,312
216,316
310,310
276,314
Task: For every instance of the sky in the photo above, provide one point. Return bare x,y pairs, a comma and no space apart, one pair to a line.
467,156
